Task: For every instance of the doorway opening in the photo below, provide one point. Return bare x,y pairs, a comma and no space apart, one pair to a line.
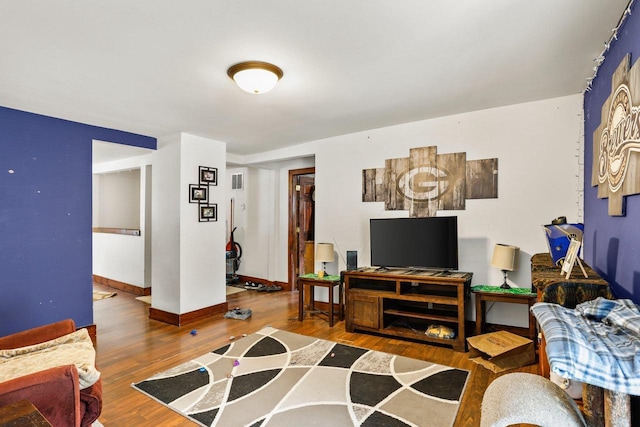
301,223
121,217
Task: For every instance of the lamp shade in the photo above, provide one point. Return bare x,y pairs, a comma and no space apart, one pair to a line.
255,76
505,257
324,252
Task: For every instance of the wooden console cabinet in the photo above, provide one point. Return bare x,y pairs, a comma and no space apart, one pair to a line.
404,303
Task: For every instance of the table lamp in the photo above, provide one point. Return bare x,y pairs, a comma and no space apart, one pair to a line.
505,258
324,254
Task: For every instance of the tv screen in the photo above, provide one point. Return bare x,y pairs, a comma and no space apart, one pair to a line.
426,243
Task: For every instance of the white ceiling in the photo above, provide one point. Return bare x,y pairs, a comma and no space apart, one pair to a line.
106,151
158,67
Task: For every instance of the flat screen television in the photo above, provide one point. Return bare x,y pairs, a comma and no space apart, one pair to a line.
420,243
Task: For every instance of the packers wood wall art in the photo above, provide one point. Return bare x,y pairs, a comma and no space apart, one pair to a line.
426,182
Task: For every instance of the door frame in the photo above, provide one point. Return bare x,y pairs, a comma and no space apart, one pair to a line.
292,246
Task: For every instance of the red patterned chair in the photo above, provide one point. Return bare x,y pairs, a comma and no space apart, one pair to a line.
54,391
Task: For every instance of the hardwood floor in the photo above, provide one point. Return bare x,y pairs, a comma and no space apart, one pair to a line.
131,347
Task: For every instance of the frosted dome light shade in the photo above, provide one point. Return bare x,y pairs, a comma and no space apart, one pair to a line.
256,81
255,77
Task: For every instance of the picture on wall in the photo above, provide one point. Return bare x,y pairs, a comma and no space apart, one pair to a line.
208,212
198,193
208,176
426,182
616,142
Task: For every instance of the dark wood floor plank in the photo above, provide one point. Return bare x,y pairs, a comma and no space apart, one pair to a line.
131,347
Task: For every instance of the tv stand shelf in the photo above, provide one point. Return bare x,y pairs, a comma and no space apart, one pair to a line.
405,302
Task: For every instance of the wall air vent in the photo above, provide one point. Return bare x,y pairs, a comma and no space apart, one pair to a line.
236,181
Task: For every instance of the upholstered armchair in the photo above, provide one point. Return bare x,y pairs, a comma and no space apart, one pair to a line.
54,391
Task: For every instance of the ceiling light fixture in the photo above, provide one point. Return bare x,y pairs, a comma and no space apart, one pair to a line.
255,76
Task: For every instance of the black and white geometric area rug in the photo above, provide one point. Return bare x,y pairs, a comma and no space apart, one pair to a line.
278,378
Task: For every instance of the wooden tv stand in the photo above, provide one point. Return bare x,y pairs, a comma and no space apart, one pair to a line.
405,302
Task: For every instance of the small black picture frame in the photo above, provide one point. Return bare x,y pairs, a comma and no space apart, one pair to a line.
208,176
198,193
208,212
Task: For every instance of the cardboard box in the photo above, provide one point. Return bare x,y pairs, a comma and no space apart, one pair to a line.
502,350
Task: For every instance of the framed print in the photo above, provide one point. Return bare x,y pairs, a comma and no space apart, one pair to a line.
198,193
208,176
208,212
570,258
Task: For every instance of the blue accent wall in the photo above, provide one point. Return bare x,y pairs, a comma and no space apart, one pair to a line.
612,244
45,218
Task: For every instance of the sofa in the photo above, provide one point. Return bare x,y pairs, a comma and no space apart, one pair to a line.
55,391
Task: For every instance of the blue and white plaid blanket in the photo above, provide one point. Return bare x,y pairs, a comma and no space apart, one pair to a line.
596,343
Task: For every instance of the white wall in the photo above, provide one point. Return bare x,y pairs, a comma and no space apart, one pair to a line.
146,184
188,264
119,257
202,244
239,197
165,216
118,199
254,227
535,144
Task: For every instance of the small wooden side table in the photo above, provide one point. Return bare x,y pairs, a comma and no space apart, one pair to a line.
22,413
328,282
497,294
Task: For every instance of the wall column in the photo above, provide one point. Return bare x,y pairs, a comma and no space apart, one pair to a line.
188,264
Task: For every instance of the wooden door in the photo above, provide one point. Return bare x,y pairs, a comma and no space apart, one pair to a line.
301,223
305,224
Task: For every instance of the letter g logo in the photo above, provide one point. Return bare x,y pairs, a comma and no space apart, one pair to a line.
423,183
